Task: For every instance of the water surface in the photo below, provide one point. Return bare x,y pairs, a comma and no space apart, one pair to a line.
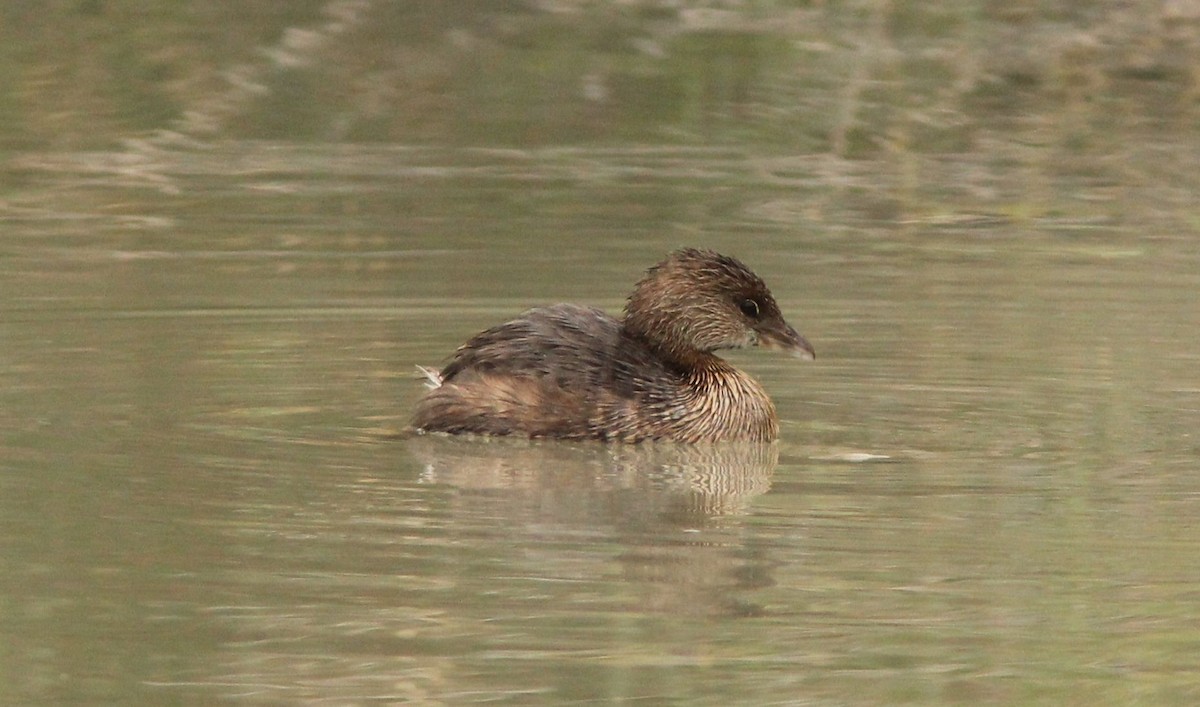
986,487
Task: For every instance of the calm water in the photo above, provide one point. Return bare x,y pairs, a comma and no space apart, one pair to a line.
987,489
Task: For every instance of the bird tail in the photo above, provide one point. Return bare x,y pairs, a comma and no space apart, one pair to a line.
433,379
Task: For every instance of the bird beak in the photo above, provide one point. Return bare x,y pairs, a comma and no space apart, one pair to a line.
785,338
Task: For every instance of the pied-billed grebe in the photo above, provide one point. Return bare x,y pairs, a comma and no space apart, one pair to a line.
573,372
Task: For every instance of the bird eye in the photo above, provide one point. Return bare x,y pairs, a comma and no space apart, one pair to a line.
750,308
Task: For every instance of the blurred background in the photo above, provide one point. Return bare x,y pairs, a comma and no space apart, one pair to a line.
229,231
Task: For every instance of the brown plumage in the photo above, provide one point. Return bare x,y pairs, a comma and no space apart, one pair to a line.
573,372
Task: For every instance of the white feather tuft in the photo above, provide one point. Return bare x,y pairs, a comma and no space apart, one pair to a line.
433,379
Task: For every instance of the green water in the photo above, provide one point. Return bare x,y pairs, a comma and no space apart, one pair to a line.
229,237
